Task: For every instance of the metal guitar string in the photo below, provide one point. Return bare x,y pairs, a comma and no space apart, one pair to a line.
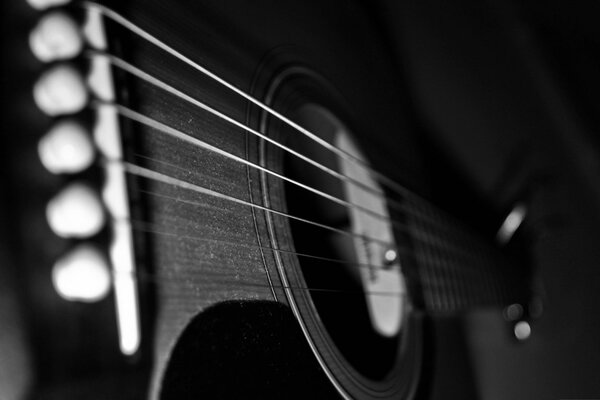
119,19
135,116
186,137
118,62
453,250
148,227
424,217
128,67
153,175
157,176
400,250
416,235
154,278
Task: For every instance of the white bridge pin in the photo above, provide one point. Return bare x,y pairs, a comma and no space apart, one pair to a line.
82,274
60,90
66,148
76,212
56,37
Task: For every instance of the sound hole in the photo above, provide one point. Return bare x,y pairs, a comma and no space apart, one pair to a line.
342,307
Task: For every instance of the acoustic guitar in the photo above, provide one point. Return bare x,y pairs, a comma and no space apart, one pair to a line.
245,200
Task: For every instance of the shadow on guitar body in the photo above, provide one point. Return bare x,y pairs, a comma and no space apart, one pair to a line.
225,349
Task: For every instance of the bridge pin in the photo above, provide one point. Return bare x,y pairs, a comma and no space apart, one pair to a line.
56,37
82,274
76,212
66,148
61,90
45,4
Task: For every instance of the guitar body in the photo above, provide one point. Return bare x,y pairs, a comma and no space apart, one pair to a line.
244,284
268,52
220,307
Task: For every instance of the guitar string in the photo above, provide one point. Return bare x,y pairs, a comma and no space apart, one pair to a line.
128,113
135,116
149,227
161,277
135,29
423,217
153,228
155,124
154,277
143,172
383,179
153,175
308,133
137,72
453,251
431,238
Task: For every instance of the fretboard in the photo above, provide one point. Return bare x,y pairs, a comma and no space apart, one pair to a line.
458,270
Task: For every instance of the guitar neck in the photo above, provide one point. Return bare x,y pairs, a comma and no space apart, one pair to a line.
457,269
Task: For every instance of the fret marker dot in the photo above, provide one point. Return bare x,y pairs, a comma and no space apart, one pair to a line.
390,257
522,330
82,275
56,37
